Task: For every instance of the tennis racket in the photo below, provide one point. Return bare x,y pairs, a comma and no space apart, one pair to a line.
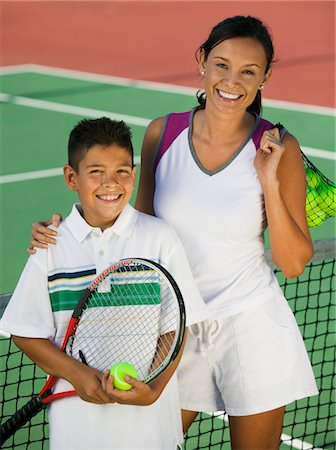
134,312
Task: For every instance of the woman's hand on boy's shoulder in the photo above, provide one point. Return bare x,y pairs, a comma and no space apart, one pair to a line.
42,236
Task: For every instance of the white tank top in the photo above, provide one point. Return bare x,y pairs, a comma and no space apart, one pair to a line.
219,216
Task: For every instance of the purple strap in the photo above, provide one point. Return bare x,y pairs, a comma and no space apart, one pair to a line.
175,124
263,126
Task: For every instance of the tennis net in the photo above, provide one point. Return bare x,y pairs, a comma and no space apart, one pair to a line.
309,423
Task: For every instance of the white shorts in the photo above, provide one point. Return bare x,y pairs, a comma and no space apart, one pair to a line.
248,363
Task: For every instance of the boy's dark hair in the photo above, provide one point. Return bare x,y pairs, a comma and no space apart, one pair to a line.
239,26
90,132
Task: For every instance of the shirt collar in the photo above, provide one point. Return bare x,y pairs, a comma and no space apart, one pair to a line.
123,226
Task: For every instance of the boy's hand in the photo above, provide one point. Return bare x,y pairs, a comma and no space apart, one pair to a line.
87,382
41,235
141,394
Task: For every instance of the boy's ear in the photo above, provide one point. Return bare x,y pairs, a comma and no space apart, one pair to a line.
70,177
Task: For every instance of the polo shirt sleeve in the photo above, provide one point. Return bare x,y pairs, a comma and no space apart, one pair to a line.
178,266
29,313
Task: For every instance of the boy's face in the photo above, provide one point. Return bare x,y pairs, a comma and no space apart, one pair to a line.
105,181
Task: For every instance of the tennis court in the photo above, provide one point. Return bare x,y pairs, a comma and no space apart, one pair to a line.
39,106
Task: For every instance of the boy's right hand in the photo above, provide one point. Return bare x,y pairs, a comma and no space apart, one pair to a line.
87,382
41,235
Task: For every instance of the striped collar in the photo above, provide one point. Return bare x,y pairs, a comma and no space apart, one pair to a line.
123,226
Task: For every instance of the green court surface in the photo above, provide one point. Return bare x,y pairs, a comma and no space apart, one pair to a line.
39,107
38,110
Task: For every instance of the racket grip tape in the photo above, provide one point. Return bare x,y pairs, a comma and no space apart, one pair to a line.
23,415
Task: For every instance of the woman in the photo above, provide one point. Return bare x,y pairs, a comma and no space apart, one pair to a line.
220,174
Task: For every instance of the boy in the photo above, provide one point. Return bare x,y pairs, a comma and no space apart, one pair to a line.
99,231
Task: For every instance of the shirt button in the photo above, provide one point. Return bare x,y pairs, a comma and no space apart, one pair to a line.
101,252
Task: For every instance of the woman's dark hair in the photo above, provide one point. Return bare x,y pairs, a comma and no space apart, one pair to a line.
233,27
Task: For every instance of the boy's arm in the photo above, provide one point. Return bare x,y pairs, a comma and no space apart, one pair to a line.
85,380
142,394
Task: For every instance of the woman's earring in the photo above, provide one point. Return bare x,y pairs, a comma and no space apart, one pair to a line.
203,72
261,87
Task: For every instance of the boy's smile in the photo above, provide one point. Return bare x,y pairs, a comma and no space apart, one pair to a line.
105,181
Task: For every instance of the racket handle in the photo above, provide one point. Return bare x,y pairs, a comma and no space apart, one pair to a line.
23,415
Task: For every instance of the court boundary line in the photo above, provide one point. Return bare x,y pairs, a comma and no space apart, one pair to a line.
152,85
70,109
39,174
94,113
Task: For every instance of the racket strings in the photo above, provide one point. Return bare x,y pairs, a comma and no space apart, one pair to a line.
131,316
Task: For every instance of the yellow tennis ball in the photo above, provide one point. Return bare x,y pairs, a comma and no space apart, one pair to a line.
316,219
118,371
313,178
327,200
311,201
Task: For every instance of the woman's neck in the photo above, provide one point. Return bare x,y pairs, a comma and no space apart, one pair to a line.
220,127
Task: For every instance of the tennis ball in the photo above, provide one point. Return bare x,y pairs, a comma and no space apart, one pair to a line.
317,218
327,200
311,200
118,371
313,178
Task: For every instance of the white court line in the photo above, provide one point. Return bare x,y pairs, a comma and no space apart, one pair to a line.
100,78
297,443
58,171
323,154
130,120
39,174
287,440
151,85
47,173
70,109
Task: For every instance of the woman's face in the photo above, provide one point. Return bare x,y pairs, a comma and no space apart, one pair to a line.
233,72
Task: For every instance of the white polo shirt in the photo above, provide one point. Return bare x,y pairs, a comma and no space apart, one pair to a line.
45,296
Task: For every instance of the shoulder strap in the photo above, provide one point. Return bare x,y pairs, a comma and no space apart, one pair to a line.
174,124
263,126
